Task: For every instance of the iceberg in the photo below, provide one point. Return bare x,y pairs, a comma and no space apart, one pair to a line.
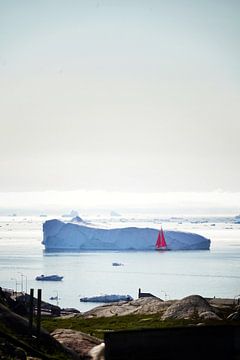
61,236
72,214
107,298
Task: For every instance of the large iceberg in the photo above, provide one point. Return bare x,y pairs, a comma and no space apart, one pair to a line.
60,236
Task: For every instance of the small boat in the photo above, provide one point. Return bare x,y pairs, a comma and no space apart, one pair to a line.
161,242
107,298
49,278
117,264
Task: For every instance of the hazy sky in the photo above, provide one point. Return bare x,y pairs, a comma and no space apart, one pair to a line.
122,96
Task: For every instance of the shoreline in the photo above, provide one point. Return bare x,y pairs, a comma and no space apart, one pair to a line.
65,311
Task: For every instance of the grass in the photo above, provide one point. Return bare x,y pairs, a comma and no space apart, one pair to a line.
98,326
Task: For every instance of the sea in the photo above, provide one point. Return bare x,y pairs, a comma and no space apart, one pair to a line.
168,274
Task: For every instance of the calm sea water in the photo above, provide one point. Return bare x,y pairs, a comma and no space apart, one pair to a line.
169,275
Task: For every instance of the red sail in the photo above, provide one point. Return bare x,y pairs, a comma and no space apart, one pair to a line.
161,242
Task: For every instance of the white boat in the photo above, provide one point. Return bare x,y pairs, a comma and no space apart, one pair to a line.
107,298
49,278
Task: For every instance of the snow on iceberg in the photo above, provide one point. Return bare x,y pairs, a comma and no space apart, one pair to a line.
60,236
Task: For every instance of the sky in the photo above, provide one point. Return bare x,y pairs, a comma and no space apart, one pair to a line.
120,98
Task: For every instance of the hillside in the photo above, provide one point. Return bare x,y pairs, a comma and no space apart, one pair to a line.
16,342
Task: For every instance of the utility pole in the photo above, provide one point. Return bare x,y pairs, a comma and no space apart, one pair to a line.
16,284
39,301
26,283
22,276
31,310
21,283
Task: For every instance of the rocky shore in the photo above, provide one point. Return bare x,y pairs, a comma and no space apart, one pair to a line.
186,308
194,310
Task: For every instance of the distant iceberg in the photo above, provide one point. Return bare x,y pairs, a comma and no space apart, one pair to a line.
61,236
107,298
72,214
237,219
114,213
77,219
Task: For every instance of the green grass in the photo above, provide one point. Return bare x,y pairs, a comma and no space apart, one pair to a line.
98,326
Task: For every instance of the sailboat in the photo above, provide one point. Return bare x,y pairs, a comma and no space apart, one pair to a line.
161,242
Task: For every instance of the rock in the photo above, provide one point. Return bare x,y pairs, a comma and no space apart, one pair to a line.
77,219
97,352
77,341
191,307
209,315
20,354
187,308
8,350
234,316
237,308
138,306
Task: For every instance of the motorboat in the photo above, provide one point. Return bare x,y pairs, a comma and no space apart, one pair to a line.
49,278
117,264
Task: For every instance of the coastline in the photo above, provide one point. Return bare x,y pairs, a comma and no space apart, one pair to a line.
82,334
